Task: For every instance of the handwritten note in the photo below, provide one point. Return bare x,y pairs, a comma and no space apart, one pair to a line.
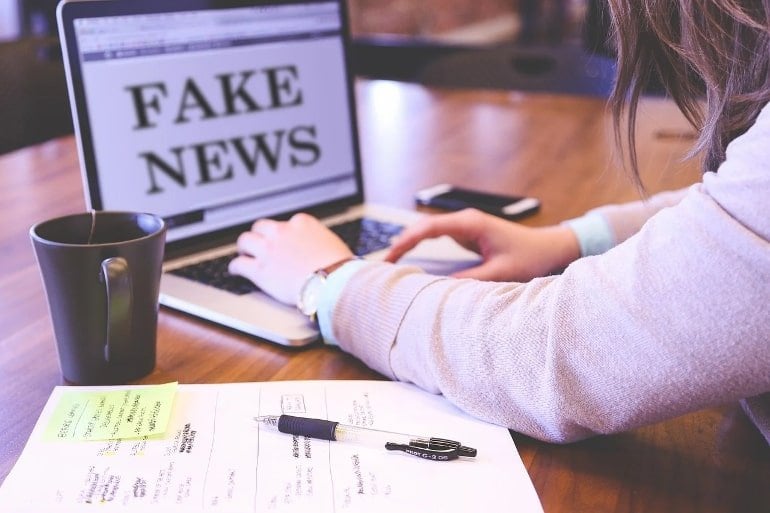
213,457
111,414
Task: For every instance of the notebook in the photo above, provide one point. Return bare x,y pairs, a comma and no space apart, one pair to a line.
213,114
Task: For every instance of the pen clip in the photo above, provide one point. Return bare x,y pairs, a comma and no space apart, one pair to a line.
436,449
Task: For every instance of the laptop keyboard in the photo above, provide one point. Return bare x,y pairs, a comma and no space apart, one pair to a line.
363,236
214,272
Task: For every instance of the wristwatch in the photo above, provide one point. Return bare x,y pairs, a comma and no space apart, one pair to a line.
310,293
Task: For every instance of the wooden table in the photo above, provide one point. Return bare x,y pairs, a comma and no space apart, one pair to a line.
557,148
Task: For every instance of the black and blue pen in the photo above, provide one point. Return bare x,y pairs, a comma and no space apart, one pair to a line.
429,448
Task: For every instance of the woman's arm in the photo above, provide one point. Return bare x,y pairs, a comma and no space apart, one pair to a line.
672,320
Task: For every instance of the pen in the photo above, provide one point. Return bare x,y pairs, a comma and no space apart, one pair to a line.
429,448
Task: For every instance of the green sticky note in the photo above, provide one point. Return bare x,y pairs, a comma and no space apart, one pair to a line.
111,413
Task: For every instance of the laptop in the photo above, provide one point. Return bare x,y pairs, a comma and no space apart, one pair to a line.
215,113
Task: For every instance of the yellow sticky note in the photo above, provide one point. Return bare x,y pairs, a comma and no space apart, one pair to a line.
112,414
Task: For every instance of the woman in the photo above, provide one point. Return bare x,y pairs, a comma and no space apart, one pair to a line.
671,314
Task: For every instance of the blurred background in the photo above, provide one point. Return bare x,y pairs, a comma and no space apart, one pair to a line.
480,22
541,45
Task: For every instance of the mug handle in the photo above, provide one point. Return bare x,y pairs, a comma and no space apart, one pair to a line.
119,301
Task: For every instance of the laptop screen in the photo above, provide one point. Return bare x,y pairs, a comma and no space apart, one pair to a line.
214,117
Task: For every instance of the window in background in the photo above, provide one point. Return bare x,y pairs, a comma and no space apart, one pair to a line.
33,92
10,27
38,17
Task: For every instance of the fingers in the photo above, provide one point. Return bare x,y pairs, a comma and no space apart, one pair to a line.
266,227
263,230
240,264
251,246
461,226
245,266
251,243
303,219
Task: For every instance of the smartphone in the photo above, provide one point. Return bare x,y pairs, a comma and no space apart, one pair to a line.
450,197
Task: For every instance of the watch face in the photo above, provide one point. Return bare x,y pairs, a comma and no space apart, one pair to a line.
308,296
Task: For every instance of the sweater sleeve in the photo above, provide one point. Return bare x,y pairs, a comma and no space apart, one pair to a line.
672,320
625,219
602,228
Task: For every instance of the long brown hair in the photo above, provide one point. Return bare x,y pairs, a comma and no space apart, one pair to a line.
711,56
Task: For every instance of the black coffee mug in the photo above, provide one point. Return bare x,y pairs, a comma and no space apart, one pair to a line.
101,272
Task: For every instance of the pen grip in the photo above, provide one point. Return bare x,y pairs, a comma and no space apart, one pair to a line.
311,428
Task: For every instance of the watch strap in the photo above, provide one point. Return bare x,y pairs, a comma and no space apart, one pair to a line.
326,271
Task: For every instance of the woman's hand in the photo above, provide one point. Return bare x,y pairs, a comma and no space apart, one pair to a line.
510,251
278,256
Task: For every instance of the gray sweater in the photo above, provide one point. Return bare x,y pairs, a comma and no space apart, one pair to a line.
672,319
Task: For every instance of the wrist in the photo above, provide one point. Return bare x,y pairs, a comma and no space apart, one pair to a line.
565,247
593,233
335,284
313,288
